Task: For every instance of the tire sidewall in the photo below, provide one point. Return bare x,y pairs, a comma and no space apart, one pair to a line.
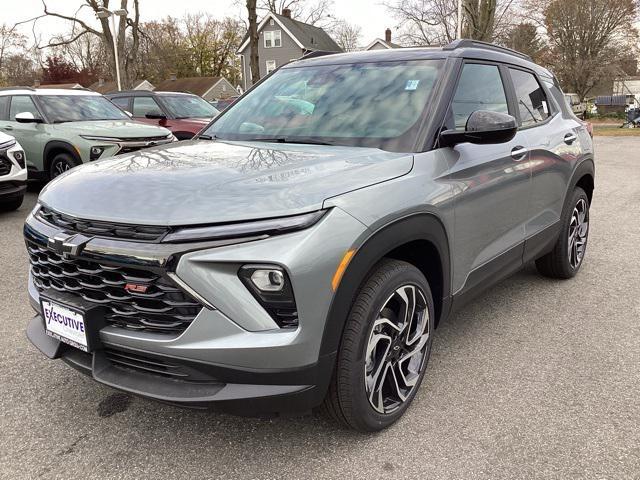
61,157
366,414
578,194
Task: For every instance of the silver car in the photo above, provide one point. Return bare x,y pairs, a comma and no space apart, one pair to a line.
291,258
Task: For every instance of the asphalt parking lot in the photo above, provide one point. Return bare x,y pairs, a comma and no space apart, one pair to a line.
537,379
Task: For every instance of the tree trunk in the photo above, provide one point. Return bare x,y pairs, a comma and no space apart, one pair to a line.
254,62
479,19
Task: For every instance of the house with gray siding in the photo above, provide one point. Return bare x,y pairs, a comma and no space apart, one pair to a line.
209,88
280,40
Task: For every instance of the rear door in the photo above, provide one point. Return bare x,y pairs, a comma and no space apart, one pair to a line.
492,181
554,149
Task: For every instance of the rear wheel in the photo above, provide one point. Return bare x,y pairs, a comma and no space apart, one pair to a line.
384,350
61,163
567,255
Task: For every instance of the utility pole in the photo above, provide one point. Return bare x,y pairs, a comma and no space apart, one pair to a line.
105,13
459,29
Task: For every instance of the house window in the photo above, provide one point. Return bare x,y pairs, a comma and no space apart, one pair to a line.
271,66
273,39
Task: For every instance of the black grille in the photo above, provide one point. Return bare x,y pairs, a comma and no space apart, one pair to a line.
102,229
163,307
154,365
5,166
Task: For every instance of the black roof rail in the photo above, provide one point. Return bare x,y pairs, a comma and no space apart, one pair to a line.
468,43
317,53
17,88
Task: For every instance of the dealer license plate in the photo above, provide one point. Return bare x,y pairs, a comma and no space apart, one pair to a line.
65,324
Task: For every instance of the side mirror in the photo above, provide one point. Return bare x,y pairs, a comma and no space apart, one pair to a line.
27,117
155,116
483,127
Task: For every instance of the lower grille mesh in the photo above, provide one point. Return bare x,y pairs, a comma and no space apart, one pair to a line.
157,305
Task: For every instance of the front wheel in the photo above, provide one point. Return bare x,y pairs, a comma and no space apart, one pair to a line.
60,164
384,350
568,253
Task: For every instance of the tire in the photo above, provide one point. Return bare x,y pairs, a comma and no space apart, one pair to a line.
350,400
61,163
11,204
561,262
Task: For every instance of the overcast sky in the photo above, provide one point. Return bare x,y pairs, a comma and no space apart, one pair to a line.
370,15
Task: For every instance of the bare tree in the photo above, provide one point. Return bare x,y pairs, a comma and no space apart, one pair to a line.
86,53
479,19
524,37
128,26
434,22
347,35
254,61
313,12
588,40
10,40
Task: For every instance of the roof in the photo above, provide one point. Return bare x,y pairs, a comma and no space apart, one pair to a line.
384,43
466,49
197,85
308,37
45,91
60,85
111,86
145,93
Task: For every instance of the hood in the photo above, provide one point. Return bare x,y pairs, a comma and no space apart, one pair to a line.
204,181
113,128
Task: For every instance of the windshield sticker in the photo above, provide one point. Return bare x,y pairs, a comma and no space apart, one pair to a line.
411,84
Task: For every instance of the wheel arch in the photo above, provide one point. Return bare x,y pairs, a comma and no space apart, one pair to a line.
583,177
53,148
419,239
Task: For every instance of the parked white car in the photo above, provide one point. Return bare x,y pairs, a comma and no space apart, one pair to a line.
578,107
13,173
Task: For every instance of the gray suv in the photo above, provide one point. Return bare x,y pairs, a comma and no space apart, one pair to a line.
302,250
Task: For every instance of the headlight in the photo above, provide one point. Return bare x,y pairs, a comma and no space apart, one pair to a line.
95,138
245,229
270,285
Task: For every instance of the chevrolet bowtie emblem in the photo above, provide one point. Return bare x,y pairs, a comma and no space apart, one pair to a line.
67,245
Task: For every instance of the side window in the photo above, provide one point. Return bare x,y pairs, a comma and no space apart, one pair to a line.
480,88
144,105
122,102
532,101
21,104
4,104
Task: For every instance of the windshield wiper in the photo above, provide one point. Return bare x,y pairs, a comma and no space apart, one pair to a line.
300,140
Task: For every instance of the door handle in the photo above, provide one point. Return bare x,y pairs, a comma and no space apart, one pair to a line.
518,153
569,138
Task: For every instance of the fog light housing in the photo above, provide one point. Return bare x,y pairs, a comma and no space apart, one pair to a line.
268,280
271,287
20,158
95,153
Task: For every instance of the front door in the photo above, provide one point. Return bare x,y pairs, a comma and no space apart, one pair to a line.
31,136
492,184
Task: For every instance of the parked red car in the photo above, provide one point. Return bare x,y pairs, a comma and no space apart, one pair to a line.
185,114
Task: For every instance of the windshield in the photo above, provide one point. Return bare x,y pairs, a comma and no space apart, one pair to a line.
367,104
78,108
189,106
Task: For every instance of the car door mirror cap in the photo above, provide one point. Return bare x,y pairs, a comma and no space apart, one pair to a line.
483,127
155,116
27,117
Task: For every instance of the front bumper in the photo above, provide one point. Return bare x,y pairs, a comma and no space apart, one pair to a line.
236,357
13,184
186,383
